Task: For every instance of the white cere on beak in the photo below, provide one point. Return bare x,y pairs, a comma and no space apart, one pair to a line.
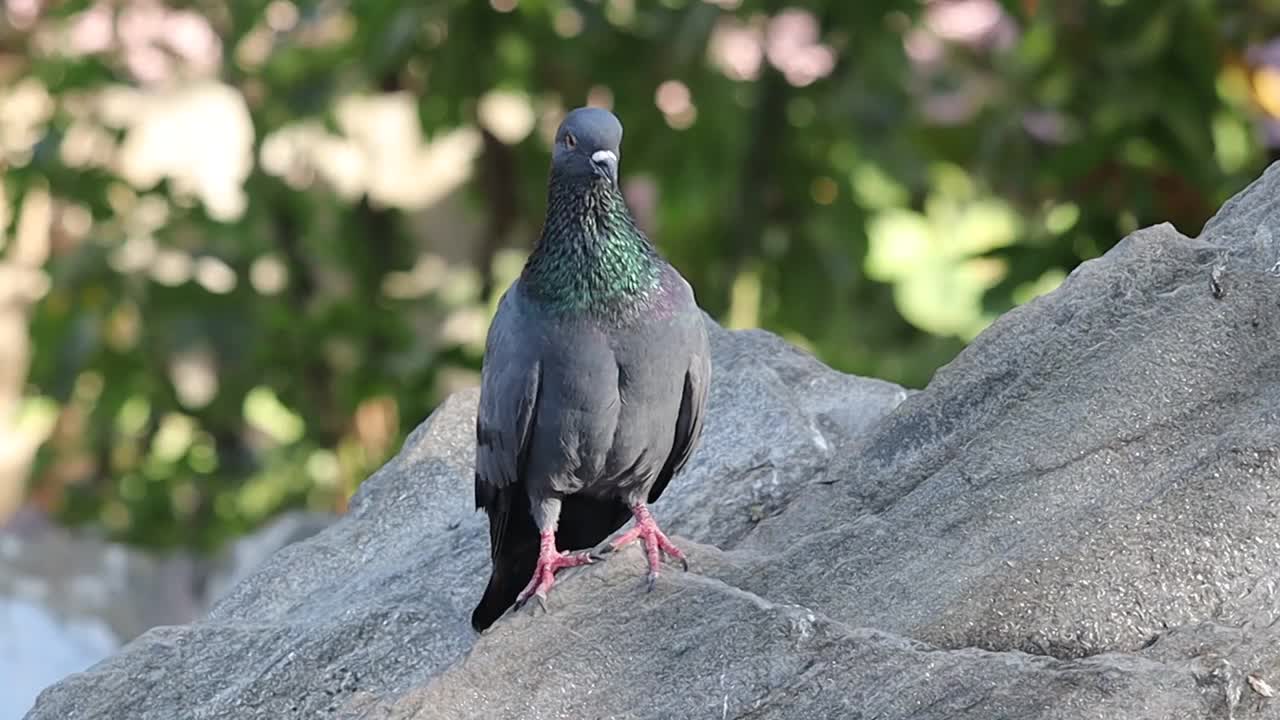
604,156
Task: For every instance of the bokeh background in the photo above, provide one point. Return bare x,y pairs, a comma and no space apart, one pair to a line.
246,246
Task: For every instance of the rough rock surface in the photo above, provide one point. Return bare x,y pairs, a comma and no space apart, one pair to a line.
1076,519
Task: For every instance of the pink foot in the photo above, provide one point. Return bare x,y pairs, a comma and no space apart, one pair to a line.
544,574
655,542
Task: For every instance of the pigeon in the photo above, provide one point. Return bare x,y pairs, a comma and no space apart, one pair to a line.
593,383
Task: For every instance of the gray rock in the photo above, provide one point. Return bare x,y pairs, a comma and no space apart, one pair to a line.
1076,519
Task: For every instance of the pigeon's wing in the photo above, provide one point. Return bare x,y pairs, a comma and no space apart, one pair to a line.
509,391
693,400
509,383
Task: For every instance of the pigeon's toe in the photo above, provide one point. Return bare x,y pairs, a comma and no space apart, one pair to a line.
544,574
656,543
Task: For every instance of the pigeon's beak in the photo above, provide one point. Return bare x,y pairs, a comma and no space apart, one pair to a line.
605,163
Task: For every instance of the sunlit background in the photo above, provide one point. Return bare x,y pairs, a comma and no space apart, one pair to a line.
246,246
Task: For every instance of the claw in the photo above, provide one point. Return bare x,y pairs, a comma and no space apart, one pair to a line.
534,606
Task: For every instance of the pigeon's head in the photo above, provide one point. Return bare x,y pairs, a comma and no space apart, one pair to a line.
588,145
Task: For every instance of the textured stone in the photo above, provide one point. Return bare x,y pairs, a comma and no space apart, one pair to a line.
1076,519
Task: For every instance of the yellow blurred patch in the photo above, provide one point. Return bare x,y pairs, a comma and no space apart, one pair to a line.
1266,89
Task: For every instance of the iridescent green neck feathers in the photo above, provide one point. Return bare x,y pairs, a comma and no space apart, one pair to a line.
591,256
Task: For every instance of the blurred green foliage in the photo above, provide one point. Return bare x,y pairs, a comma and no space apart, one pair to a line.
223,337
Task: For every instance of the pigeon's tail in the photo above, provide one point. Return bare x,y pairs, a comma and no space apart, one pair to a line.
511,572
584,522
513,538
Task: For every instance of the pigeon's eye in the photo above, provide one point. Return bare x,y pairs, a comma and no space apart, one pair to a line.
570,141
